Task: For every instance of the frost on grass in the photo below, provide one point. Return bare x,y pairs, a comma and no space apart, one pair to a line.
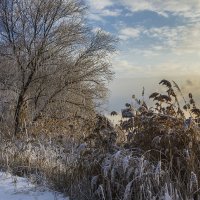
160,161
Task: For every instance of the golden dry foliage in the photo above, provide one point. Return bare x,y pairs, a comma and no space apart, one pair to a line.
168,133
160,158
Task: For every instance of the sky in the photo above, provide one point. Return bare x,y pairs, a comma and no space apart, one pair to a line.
157,39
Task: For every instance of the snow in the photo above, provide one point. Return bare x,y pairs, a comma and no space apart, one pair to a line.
17,188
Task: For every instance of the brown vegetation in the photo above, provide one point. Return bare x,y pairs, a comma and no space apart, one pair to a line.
158,160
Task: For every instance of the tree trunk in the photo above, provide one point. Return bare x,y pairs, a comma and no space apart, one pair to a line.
17,113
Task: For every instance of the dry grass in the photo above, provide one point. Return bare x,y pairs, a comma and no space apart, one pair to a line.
158,161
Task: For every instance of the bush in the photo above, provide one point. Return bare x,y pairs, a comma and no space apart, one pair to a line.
160,159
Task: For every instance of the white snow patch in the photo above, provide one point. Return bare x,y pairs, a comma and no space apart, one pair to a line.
18,188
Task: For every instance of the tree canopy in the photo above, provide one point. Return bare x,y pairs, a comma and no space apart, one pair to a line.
50,59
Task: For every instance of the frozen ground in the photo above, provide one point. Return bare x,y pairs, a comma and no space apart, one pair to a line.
17,188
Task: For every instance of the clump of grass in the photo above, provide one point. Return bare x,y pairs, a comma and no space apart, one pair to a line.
170,135
160,158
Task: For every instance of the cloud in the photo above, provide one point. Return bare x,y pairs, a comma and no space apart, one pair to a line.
189,40
101,9
167,37
156,49
185,8
190,10
124,68
182,39
130,33
148,53
137,5
95,17
113,13
100,5
127,66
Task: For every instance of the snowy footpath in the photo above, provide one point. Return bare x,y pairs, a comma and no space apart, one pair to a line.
17,188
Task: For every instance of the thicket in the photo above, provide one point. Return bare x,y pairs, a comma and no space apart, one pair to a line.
158,159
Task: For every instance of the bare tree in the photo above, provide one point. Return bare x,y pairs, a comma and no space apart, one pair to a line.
50,59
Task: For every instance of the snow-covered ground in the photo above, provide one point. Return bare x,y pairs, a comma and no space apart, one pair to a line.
17,188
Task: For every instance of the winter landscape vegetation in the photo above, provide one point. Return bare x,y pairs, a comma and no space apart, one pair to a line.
61,61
